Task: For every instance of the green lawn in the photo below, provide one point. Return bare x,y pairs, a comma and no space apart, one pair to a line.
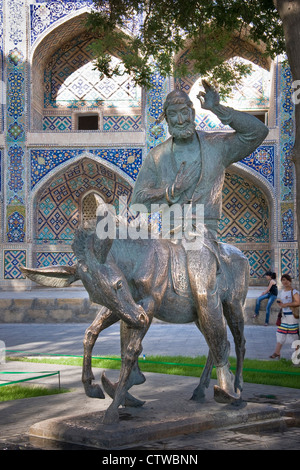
15,392
279,372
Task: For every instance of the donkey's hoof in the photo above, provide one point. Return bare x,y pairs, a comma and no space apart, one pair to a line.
238,385
93,391
110,389
198,397
221,396
111,417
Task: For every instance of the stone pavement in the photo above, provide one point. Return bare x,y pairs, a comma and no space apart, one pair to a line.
16,417
162,339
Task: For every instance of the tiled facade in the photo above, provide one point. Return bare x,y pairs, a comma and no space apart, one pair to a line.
48,166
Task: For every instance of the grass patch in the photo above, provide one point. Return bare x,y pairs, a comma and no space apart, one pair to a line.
280,372
15,392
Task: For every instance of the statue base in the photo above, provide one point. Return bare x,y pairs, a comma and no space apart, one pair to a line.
139,426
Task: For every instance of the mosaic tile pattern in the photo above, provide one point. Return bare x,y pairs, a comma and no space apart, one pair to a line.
287,171
122,123
259,261
13,259
15,225
42,15
286,135
237,48
263,161
289,262
2,91
287,221
44,160
156,133
55,258
71,80
57,123
1,164
15,51
245,213
16,182
59,205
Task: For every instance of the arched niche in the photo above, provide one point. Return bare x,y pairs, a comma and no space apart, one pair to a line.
58,204
248,218
64,84
253,94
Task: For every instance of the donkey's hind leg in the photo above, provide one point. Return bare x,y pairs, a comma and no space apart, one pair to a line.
199,392
233,313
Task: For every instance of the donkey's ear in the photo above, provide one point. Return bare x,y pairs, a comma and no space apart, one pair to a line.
52,276
98,199
102,248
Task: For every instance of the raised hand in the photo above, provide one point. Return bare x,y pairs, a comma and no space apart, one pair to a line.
184,179
208,98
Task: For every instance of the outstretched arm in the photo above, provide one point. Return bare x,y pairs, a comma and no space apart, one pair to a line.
249,131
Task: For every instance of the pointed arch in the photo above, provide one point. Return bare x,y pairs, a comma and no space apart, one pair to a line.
58,202
52,63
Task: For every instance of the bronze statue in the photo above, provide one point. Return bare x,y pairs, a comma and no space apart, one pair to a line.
135,280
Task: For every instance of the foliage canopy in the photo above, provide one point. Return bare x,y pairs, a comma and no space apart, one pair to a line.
160,29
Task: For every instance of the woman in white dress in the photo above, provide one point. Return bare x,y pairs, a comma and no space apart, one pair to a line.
288,331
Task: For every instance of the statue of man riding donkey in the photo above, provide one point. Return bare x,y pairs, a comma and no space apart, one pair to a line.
137,279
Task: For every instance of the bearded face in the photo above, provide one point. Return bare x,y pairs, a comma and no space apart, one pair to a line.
180,119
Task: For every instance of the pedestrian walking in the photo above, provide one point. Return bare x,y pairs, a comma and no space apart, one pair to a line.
288,330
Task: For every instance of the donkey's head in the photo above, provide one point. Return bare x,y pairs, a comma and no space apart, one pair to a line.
101,277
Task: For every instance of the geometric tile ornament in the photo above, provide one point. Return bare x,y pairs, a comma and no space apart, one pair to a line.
287,171
259,262
16,67
245,212
258,83
42,15
287,221
155,97
16,168
122,123
71,81
2,78
12,261
59,205
289,262
45,13
253,93
15,225
286,134
116,123
262,160
45,160
57,123
55,258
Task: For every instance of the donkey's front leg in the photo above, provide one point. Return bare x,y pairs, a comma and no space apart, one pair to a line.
199,392
130,357
103,320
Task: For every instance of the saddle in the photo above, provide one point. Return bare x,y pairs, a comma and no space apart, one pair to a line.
178,267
